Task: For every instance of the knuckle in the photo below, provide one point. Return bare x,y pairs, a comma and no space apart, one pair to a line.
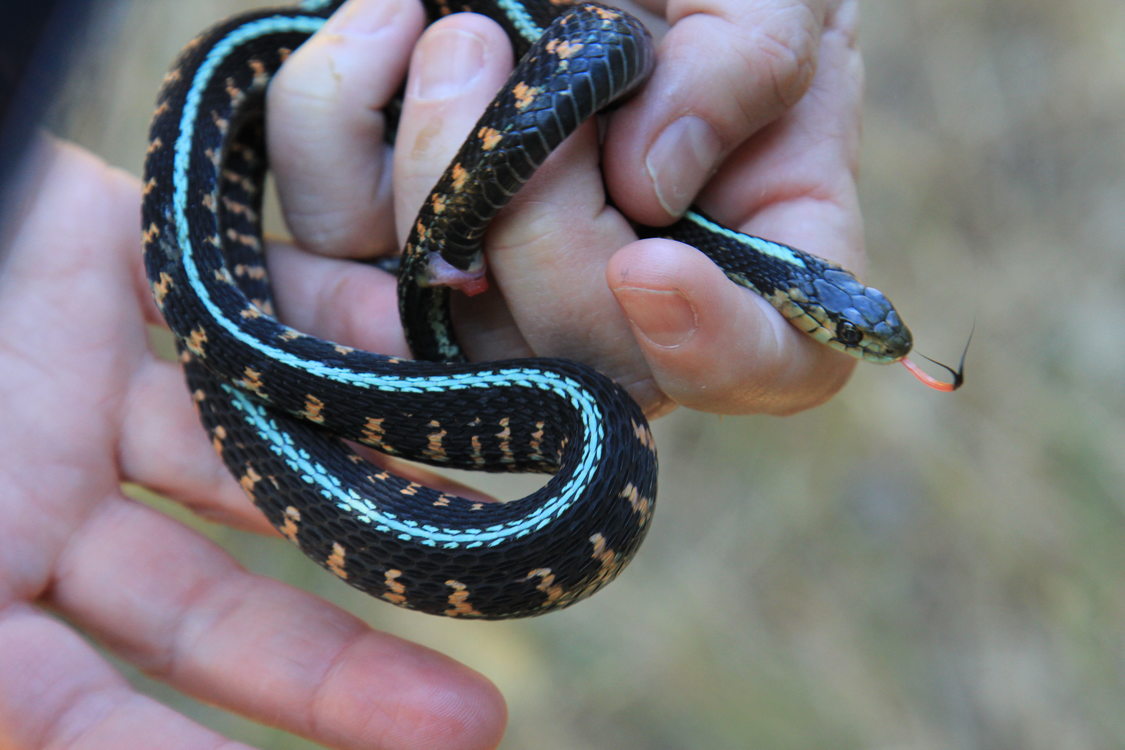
783,51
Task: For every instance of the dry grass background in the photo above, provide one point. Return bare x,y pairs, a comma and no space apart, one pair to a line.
897,569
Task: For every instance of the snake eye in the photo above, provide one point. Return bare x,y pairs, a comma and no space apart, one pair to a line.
847,333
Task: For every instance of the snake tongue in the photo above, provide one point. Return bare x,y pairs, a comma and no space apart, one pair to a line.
932,382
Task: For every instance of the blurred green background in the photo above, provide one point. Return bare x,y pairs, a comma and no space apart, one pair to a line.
899,568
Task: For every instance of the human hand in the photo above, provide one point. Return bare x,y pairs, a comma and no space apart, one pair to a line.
778,87
88,406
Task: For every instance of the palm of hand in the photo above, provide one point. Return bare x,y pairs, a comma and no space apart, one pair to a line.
94,408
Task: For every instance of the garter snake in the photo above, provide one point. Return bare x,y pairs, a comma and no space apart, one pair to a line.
280,406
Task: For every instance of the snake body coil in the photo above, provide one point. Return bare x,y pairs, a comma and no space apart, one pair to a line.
279,404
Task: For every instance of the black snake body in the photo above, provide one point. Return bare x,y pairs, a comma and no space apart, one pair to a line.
279,404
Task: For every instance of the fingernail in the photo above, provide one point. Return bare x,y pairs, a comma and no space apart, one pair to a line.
362,17
664,317
449,59
681,160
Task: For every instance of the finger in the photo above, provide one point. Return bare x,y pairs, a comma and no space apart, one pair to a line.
56,691
802,188
179,607
549,251
714,346
326,127
458,66
339,300
165,449
724,70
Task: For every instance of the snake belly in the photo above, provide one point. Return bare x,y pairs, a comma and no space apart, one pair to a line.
280,405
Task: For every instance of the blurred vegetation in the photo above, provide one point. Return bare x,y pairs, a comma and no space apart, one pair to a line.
897,569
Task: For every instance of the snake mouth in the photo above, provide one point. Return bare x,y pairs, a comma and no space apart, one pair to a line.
440,272
896,345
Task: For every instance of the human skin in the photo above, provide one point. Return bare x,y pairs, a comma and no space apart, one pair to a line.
771,135
90,405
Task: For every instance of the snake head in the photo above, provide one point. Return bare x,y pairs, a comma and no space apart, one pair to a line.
820,298
838,310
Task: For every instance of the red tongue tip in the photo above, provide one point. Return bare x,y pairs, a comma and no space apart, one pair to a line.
932,382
